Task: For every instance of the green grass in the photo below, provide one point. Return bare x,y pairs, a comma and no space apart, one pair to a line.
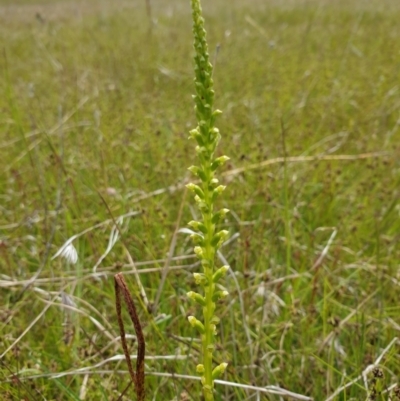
96,109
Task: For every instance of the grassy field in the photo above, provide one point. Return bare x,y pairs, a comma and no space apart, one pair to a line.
95,110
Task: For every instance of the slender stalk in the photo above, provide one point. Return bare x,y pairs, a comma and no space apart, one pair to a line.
206,237
138,376
286,200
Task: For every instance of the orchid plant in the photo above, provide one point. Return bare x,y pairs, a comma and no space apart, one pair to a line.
207,238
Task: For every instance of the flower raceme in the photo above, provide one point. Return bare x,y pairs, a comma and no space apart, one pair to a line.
206,238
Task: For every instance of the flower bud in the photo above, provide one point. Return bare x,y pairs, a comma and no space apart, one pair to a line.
198,250
220,273
198,172
219,161
219,216
196,324
197,225
200,278
214,115
214,132
200,368
201,150
196,189
218,191
196,297
218,295
196,135
219,238
219,370
197,239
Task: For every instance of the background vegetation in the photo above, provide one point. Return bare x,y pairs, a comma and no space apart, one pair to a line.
95,109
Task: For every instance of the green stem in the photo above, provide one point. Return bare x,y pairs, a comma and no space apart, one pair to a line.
208,311
207,342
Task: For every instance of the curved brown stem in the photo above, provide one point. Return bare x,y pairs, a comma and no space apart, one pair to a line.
138,376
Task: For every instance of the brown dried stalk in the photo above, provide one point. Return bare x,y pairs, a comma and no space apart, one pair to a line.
138,377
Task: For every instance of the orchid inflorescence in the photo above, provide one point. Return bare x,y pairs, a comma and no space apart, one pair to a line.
207,239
